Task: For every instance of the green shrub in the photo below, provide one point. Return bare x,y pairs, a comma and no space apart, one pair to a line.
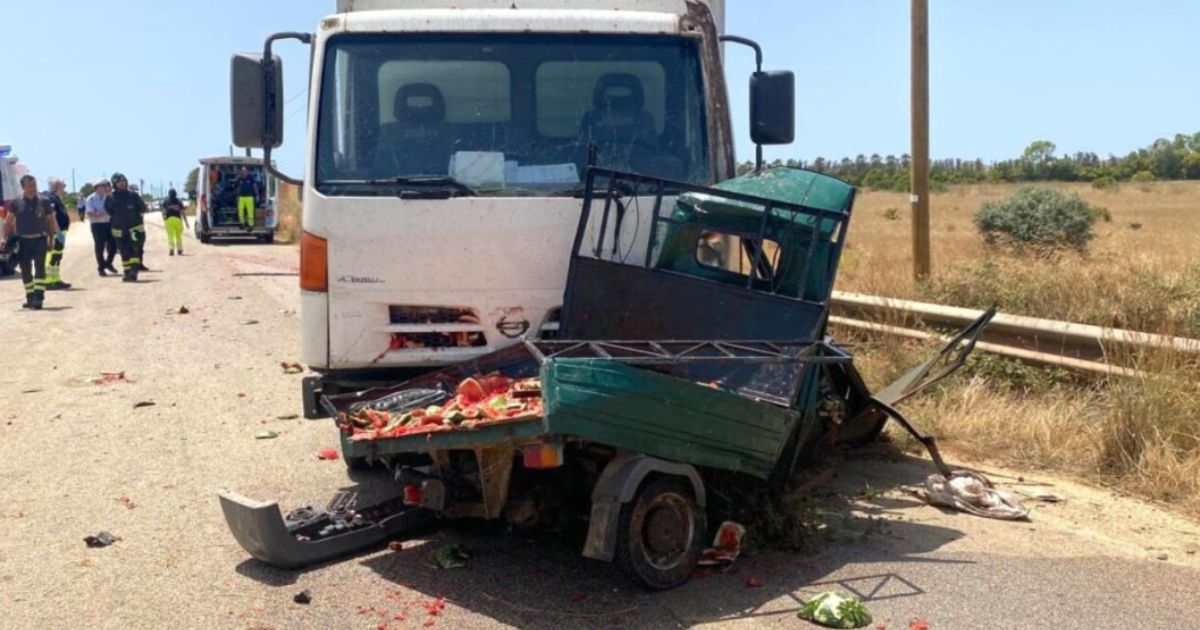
1143,179
1102,214
1106,182
892,214
1037,217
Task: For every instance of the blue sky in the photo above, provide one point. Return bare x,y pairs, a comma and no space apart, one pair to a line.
142,86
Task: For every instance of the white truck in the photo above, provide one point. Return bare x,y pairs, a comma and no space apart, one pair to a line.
217,200
445,153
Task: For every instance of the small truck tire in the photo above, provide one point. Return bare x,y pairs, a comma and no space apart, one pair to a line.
661,533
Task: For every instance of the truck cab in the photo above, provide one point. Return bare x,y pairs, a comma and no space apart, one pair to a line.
447,148
216,205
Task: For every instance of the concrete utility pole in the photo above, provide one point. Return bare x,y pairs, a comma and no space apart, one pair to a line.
920,139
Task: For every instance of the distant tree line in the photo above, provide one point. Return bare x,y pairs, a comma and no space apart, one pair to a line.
1165,159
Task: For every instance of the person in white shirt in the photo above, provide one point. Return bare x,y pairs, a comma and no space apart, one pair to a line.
102,236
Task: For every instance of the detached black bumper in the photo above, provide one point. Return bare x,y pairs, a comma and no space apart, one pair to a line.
310,536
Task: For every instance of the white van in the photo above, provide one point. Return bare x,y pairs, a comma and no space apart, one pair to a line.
216,208
10,188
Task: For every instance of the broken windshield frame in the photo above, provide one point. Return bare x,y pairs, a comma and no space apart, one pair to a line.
520,111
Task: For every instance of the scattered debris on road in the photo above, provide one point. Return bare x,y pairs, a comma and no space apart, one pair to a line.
108,378
450,555
102,539
235,297
127,502
395,545
288,416
292,368
250,322
183,310
753,582
836,610
303,597
727,545
144,403
327,453
973,493
918,624
32,391
266,435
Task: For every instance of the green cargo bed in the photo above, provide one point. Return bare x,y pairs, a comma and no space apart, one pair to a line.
607,401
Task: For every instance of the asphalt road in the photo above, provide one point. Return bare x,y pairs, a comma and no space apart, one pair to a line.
78,457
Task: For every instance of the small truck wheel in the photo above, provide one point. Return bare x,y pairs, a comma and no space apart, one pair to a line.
661,534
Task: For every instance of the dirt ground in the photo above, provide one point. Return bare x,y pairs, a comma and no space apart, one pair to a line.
78,457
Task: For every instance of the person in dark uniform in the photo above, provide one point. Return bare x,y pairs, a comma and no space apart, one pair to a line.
29,228
54,281
126,209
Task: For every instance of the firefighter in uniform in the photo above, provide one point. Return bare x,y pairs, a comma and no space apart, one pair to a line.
29,229
126,209
54,281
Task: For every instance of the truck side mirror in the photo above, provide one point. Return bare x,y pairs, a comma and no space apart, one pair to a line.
773,107
254,97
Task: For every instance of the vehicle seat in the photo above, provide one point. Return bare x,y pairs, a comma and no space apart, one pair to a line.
416,143
620,127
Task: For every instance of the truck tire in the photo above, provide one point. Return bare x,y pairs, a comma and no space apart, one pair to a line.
5,269
661,534
268,239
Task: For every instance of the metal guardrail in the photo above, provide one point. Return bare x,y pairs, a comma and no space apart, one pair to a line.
1043,341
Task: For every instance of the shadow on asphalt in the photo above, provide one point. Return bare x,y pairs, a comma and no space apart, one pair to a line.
541,580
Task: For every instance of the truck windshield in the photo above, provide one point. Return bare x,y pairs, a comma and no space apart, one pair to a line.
506,114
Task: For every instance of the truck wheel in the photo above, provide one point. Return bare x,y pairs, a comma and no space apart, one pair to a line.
5,269
661,534
205,238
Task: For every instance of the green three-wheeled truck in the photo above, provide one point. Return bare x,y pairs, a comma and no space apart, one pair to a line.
702,348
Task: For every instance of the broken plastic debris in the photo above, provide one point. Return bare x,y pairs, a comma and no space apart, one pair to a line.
266,435
303,597
327,453
107,378
974,494
102,539
144,403
250,322
918,624
836,610
127,502
448,556
727,545
183,310
292,368
287,416
395,545
753,582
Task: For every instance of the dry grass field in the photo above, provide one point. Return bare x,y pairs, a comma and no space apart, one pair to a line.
1142,271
